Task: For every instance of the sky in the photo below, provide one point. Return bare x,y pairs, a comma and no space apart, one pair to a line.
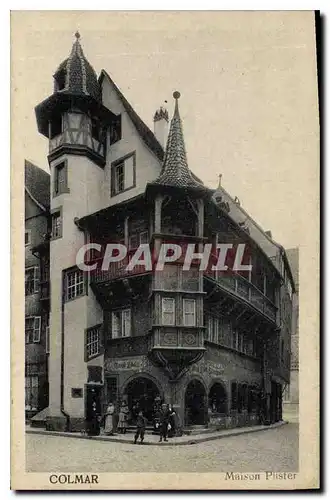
248,94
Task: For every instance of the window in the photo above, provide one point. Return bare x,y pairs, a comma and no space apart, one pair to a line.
74,284
56,224
27,237
31,280
138,239
213,329
31,392
56,126
121,323
115,130
119,177
93,342
168,311
189,312
32,329
235,339
97,130
60,179
123,174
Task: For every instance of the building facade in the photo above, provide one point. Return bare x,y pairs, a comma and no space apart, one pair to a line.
215,345
37,203
291,394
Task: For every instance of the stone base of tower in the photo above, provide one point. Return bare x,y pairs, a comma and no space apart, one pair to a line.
57,423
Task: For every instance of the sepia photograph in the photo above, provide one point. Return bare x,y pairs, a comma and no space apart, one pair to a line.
165,170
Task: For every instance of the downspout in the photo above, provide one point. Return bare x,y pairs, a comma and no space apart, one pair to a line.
67,416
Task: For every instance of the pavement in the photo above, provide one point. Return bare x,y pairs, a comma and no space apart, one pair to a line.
276,450
152,439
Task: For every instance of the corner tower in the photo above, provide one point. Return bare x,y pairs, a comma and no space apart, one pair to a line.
77,125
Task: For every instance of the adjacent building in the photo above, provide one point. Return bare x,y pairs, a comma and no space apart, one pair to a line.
291,394
214,344
37,217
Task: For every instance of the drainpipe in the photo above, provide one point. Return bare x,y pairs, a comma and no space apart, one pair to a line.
67,416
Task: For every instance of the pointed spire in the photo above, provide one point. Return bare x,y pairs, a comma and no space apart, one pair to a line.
175,171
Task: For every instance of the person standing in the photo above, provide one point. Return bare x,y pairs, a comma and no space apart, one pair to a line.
172,422
141,423
108,422
123,417
93,421
164,416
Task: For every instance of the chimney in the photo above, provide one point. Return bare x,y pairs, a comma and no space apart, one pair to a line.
161,126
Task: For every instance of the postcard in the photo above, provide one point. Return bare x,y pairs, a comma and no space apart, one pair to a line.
165,280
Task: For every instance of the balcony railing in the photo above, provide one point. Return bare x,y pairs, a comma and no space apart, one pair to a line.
245,290
115,270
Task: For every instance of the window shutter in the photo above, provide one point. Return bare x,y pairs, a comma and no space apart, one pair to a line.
36,329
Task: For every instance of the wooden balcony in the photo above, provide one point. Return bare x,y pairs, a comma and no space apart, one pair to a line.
116,270
240,287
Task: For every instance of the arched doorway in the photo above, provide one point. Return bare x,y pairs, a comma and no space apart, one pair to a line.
195,403
218,398
141,393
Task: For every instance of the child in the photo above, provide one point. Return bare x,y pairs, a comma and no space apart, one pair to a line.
141,423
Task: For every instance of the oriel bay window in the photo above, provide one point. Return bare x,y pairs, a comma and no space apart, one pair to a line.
189,312
168,311
121,323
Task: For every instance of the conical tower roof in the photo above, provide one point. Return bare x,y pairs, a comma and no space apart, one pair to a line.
77,74
175,171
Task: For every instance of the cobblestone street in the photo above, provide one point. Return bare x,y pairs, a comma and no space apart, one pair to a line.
272,450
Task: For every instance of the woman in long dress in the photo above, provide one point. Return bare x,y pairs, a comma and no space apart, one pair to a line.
108,422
